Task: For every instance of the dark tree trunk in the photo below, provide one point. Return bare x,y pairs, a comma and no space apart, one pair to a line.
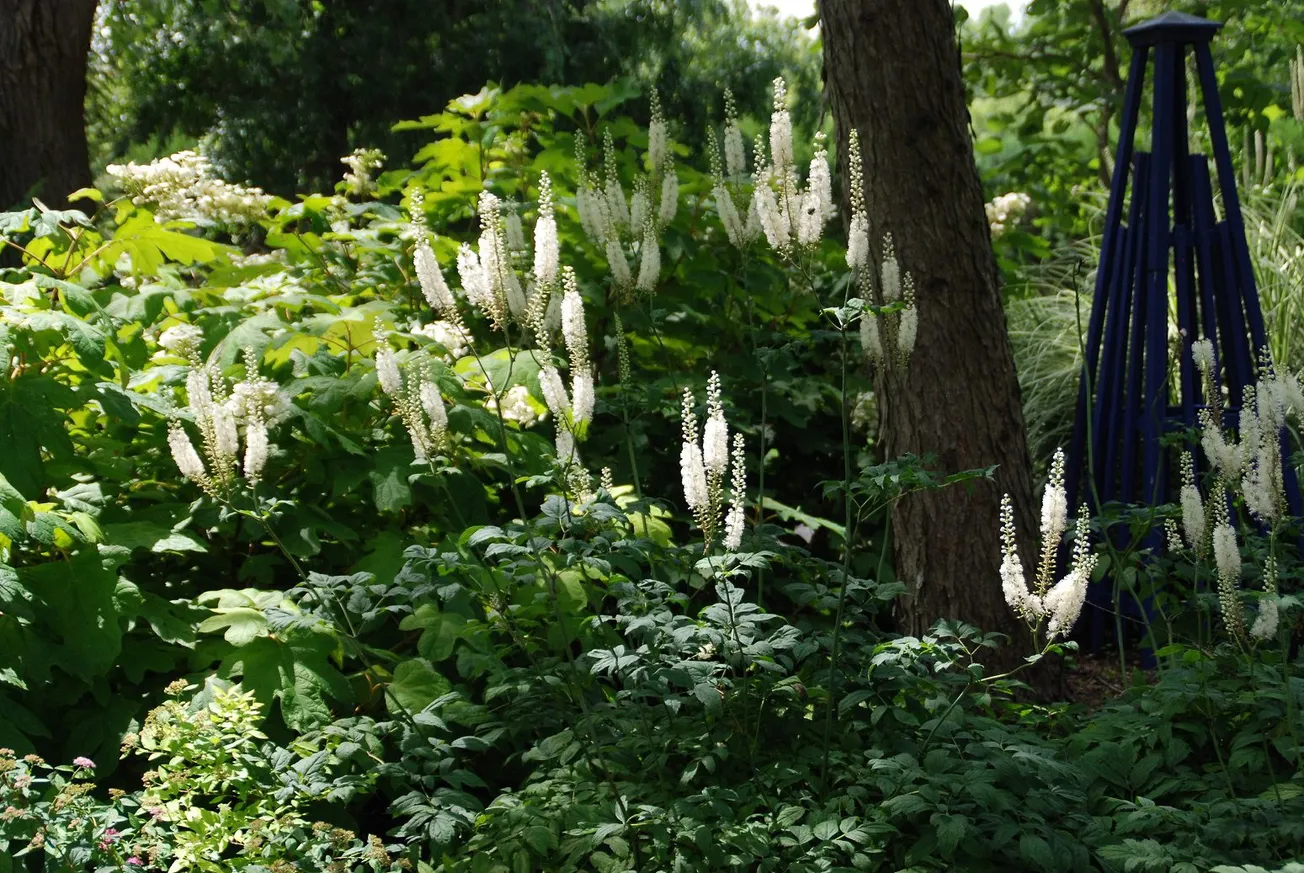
892,72
44,46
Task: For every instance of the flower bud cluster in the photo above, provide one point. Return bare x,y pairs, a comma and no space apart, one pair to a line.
788,214
417,400
621,225
1058,604
703,465
363,164
182,186
223,415
1249,464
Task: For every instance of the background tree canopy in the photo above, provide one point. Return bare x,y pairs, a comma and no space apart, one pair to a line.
280,89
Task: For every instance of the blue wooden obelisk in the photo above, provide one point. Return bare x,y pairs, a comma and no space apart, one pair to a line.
1165,250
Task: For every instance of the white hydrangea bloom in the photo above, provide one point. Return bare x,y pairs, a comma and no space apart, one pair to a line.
181,339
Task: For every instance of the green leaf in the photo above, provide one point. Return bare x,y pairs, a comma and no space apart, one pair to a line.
389,478
415,686
243,624
950,830
75,600
440,634
151,535
710,697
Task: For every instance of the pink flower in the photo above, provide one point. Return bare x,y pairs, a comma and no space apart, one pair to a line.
134,861
84,763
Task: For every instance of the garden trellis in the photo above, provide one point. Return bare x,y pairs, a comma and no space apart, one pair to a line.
1174,254
1178,254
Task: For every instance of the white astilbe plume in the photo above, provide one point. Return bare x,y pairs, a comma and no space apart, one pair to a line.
781,128
619,266
613,193
735,520
1054,503
515,231
810,223
669,204
1173,536
1063,603
858,243
890,272
907,322
733,224
1193,519
573,329
554,391
582,390
691,468
649,269
752,229
547,253
735,157
1013,584
431,278
871,338
1266,622
475,281
565,446
391,382
1226,552
1227,558
256,450
639,204
183,452
820,180
774,222
432,403
715,434
1202,354
657,136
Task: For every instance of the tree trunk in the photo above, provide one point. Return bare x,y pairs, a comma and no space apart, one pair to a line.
892,72
44,45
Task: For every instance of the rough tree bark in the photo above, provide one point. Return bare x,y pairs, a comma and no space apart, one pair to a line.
892,73
44,46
